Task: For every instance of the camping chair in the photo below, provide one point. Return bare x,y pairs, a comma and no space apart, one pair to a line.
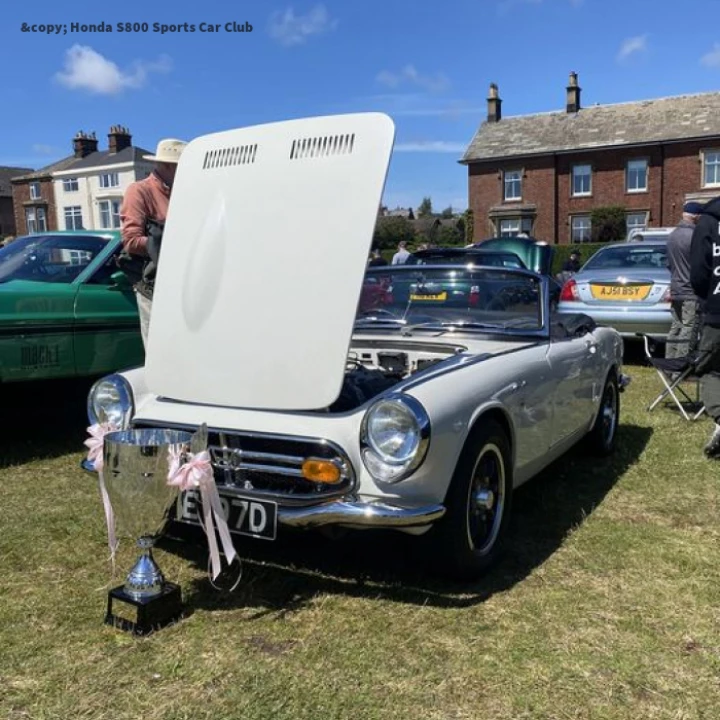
673,373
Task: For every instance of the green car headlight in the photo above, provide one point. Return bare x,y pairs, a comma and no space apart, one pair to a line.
110,400
394,437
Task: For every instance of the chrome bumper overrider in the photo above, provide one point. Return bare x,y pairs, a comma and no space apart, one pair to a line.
355,513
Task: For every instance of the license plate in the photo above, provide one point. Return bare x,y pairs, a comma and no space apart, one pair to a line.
244,516
620,292
438,297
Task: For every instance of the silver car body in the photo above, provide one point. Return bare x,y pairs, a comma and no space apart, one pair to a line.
258,342
625,286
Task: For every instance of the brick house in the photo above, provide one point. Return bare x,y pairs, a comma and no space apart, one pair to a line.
543,174
7,214
83,190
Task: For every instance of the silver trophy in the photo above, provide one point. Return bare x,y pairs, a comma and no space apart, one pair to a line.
136,468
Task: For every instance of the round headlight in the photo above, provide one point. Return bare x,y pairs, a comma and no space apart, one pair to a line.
395,434
110,400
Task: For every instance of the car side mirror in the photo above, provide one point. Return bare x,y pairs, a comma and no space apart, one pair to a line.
120,280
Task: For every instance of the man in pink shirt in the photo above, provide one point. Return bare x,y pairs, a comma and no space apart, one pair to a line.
142,218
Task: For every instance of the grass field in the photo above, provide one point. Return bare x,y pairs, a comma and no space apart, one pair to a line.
606,605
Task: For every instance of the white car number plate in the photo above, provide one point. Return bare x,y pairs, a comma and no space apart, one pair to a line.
244,516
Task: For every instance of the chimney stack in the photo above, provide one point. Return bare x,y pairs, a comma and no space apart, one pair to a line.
493,104
119,138
573,94
84,144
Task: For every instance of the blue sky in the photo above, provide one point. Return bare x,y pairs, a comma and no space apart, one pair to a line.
426,64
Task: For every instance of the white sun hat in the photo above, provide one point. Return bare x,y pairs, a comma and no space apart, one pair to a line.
168,151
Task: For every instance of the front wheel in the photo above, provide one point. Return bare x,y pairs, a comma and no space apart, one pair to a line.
468,539
601,438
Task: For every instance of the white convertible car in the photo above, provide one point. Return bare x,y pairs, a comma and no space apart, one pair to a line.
414,398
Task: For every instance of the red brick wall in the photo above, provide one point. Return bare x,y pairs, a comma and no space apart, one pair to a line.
486,188
21,195
7,217
674,171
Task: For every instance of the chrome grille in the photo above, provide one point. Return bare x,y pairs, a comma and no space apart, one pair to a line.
270,465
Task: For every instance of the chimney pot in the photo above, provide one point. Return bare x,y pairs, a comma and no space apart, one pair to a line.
119,138
572,104
84,144
494,104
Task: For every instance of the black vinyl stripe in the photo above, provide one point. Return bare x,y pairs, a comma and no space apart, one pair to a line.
55,329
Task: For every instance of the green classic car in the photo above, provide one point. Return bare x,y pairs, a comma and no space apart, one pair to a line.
65,309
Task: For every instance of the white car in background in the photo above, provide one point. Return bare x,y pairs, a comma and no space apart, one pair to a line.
413,398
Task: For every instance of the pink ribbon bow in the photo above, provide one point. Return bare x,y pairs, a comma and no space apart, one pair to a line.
95,444
197,473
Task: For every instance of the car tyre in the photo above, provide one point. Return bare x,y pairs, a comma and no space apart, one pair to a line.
601,438
470,536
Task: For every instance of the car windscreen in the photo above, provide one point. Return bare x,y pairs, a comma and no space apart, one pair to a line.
478,298
49,258
487,259
628,257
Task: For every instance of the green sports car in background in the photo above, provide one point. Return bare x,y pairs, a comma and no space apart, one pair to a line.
65,309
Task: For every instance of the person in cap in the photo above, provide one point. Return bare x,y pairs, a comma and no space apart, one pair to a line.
142,220
684,302
705,280
573,263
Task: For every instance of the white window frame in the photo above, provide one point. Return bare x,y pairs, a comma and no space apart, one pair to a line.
109,214
511,182
72,213
574,192
577,223
30,221
628,170
41,219
715,154
630,227
70,185
110,180
512,226
35,192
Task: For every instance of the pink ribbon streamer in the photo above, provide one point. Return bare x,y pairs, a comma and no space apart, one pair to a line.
197,473
95,445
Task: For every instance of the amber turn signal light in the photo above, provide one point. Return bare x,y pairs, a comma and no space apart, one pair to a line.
320,471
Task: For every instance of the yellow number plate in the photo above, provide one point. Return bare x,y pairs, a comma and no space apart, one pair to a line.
434,298
620,292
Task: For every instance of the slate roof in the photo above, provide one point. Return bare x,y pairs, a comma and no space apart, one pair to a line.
96,159
683,117
7,174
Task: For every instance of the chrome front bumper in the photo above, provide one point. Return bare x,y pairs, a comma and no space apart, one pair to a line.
350,513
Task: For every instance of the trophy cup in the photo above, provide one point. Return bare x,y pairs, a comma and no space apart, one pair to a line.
136,467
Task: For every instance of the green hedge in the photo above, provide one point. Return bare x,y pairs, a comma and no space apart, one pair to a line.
562,253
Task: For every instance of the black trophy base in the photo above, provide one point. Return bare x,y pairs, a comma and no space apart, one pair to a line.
141,617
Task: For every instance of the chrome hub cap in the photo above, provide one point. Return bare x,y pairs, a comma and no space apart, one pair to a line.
486,499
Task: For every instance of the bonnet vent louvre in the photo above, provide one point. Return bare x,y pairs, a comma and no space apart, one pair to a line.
223,157
322,146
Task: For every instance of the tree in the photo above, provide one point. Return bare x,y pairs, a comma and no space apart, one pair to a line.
469,221
389,231
449,235
425,207
447,213
608,223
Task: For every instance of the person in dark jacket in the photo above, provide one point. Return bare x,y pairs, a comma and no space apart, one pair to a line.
573,264
705,280
683,301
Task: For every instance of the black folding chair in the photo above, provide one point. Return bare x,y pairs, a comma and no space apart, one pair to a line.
674,373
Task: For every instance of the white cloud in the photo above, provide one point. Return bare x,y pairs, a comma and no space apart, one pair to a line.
712,58
87,69
41,149
431,146
290,29
432,83
632,45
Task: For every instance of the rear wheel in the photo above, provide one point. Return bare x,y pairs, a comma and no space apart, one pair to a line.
468,539
601,438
